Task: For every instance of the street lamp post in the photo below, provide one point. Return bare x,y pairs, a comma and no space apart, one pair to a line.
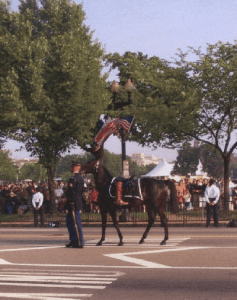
129,87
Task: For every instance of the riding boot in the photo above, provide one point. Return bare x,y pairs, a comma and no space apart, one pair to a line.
119,187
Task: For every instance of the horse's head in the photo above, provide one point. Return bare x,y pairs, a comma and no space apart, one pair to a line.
90,167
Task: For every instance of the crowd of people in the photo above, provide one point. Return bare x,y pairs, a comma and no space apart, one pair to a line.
16,198
191,192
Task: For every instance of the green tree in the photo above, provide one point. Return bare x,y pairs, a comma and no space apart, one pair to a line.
187,160
212,161
159,96
8,171
214,77
9,52
64,164
33,171
59,80
194,100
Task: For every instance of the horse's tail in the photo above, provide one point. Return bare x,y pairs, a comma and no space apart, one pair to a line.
174,205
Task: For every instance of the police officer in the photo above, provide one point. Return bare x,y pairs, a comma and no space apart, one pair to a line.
73,207
212,195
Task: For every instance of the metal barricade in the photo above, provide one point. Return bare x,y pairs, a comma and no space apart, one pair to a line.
188,215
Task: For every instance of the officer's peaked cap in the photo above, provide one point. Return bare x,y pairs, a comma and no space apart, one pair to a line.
75,163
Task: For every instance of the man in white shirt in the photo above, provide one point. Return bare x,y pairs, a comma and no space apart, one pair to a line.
37,202
212,195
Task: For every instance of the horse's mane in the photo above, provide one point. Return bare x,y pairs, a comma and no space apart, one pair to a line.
103,176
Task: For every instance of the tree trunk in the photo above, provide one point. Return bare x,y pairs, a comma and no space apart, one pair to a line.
51,174
226,181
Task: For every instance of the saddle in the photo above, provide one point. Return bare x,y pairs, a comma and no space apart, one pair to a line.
122,189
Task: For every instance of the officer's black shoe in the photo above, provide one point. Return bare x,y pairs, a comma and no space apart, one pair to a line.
69,244
77,246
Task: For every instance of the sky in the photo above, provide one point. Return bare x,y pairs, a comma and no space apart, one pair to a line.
156,28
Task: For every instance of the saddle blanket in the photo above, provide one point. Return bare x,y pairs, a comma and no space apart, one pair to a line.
131,187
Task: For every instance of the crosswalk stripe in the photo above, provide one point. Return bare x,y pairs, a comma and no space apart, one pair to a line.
68,286
149,242
58,278
44,296
68,272
55,279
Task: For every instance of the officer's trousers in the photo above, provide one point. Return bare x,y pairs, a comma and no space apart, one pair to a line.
71,227
40,212
211,208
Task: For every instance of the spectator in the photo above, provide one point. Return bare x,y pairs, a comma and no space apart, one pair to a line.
37,202
23,208
58,192
94,200
212,195
86,199
180,192
187,200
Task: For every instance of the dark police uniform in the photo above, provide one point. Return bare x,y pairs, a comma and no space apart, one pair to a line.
74,202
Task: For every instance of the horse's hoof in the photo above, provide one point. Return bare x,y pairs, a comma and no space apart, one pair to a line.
163,242
120,244
141,241
99,243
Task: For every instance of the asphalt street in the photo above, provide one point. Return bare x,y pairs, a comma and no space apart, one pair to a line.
196,263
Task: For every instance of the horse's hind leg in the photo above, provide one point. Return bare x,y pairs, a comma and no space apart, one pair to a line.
104,221
115,222
164,223
151,220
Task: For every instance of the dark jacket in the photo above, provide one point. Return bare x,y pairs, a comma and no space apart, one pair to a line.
74,192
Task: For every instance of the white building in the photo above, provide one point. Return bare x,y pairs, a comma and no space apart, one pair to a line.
143,160
21,162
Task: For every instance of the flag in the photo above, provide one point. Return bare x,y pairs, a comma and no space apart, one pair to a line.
105,131
124,123
110,127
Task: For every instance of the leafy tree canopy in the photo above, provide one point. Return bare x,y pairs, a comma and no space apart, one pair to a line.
10,102
188,159
161,94
113,162
33,171
55,77
8,171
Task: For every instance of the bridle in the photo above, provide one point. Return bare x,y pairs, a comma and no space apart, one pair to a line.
97,166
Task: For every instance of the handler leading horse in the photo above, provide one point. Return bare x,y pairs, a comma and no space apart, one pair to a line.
154,193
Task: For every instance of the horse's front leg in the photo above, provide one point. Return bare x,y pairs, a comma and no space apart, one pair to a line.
115,222
104,222
151,220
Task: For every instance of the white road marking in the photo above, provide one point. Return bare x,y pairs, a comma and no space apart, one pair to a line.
44,296
134,242
55,279
59,278
31,229
44,285
104,274
147,264
31,248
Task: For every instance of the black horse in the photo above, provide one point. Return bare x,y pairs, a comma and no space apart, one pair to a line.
154,193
